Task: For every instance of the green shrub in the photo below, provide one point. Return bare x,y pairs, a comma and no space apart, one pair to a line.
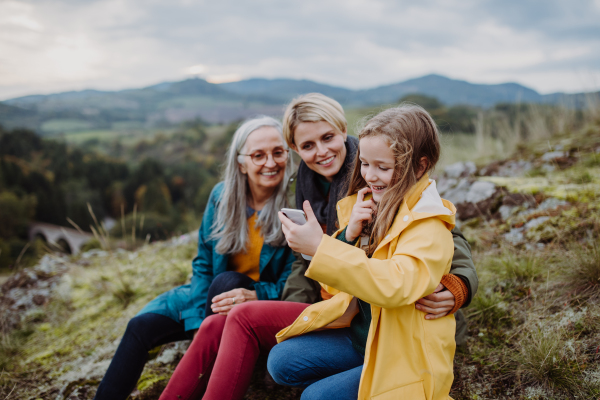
520,267
90,245
124,292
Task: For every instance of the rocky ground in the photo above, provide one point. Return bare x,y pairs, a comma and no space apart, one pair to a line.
533,221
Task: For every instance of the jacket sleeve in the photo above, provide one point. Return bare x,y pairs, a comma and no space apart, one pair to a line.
462,265
202,268
299,288
273,291
421,257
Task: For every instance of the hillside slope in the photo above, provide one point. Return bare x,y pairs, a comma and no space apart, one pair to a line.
533,221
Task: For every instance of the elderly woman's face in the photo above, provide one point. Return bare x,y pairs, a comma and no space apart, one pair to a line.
321,147
267,141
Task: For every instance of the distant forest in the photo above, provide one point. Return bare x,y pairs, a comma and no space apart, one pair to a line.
47,181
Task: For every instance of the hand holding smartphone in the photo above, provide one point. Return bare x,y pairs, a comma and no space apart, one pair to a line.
298,217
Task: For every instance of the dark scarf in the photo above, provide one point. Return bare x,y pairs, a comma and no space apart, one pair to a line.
323,205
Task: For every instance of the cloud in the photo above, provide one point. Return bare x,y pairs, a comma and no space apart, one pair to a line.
58,45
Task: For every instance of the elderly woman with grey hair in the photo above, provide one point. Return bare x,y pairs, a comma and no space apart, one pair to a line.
242,254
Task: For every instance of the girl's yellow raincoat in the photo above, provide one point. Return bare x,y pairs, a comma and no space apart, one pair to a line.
407,357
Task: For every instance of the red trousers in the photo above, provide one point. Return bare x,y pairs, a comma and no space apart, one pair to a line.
221,358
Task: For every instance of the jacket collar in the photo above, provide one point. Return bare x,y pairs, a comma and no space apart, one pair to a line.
422,201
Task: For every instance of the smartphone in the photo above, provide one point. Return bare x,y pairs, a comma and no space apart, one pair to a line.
297,217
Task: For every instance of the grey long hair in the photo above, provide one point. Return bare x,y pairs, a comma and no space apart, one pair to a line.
230,227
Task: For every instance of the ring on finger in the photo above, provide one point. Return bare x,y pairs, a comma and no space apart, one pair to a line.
233,301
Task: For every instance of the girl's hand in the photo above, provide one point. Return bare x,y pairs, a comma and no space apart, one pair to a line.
362,211
302,238
224,302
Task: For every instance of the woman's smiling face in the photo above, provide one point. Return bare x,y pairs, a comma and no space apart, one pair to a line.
267,140
377,164
321,147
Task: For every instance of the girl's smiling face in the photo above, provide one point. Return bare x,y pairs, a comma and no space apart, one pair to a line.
377,164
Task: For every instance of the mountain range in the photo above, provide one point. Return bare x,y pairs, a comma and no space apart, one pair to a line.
170,103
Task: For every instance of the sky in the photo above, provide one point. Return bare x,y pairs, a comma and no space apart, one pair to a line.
49,46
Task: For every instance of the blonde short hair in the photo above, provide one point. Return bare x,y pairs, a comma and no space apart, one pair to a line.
312,107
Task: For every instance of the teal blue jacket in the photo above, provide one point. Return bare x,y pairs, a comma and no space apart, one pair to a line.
185,304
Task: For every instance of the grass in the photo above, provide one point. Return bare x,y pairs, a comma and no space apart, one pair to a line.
543,359
582,270
534,325
531,336
80,326
518,266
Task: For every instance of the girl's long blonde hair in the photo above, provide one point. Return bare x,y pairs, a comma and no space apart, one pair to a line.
411,134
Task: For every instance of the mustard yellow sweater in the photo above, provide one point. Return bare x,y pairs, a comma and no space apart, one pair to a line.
249,263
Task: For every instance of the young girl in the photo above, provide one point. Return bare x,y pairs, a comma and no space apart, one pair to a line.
394,246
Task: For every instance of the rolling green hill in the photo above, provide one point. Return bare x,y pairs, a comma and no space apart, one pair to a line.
170,103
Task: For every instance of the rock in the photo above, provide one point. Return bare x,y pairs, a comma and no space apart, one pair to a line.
473,199
553,155
172,353
535,222
460,170
556,158
548,206
506,211
517,199
445,184
480,191
535,246
551,203
28,289
514,236
458,193
509,168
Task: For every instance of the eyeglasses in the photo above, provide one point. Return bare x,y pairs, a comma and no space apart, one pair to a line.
260,158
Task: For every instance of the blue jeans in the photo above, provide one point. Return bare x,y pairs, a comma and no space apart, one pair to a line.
324,362
147,331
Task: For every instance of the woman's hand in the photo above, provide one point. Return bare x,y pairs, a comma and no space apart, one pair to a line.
437,304
302,238
362,211
224,302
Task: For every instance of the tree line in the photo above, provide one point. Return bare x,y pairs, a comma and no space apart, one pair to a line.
49,181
